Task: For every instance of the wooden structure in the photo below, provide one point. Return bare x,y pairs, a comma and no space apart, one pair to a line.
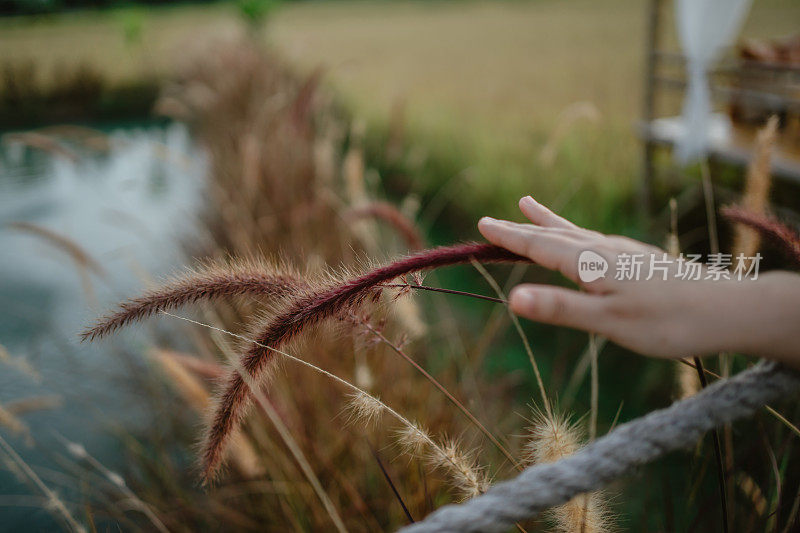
744,91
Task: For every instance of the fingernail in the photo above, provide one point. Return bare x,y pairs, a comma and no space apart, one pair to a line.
528,200
520,298
487,220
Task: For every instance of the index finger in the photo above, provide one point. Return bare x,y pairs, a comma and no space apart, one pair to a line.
542,216
551,248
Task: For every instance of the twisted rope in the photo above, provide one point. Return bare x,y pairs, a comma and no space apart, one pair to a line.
616,454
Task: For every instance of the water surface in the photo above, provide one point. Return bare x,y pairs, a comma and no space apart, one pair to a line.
128,199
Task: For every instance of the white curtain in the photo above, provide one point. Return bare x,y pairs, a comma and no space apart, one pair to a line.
705,28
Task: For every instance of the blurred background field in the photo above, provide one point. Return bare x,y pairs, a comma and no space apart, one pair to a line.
480,85
448,110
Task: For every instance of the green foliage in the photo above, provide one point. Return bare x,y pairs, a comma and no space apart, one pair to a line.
256,12
132,23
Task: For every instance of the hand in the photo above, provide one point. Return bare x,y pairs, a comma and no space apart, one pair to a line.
666,318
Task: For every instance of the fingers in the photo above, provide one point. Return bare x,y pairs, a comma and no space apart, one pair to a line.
542,216
561,307
550,248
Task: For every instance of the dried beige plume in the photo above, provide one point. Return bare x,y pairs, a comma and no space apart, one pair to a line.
756,192
753,492
364,408
686,378
413,439
551,438
461,467
353,167
673,242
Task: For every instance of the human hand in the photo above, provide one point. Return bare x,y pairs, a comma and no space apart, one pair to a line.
668,317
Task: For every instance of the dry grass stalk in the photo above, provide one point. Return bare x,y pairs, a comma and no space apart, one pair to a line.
134,502
81,258
84,263
757,185
753,492
673,241
54,503
42,142
11,411
553,437
527,345
208,370
34,403
11,422
390,214
686,379
187,385
444,391
20,363
461,468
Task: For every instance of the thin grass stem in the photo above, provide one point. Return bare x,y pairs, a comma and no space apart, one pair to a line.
446,291
595,387
259,396
718,454
52,498
447,393
545,400
391,483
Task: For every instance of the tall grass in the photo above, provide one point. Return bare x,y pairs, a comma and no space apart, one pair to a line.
289,179
367,420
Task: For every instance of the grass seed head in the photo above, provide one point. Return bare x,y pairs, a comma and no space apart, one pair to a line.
364,408
551,438
461,467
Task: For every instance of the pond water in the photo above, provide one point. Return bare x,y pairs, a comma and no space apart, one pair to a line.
84,221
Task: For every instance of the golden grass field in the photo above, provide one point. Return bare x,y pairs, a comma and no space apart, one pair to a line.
483,81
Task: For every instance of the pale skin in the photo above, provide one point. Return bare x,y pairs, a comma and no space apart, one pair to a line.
672,318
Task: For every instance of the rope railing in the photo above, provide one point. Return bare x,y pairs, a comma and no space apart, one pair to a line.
616,454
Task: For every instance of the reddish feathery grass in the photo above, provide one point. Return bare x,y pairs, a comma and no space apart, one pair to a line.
209,282
314,307
308,308
783,235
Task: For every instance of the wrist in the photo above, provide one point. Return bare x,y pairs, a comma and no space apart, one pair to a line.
761,317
